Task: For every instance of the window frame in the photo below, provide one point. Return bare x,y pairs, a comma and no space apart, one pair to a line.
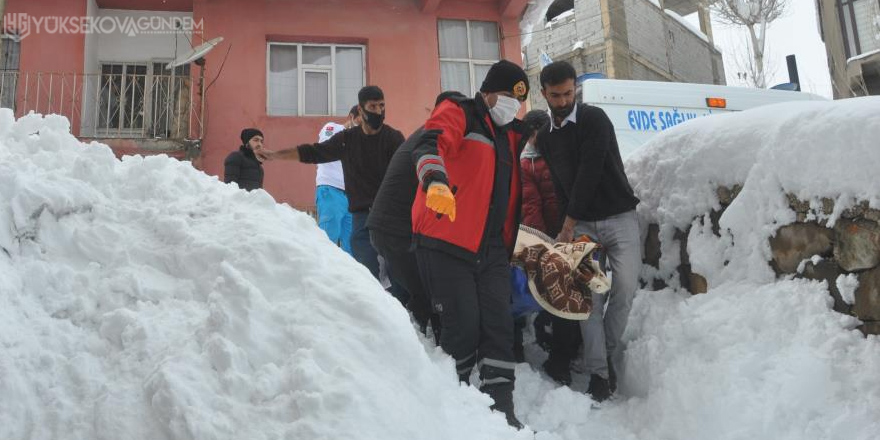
8,75
119,130
847,14
301,70
470,60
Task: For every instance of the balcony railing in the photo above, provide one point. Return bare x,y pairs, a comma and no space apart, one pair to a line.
128,104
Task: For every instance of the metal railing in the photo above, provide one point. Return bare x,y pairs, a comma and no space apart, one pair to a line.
117,105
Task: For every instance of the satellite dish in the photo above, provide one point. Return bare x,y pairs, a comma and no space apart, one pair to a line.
196,54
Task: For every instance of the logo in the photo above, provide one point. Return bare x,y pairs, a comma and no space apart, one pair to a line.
22,25
519,90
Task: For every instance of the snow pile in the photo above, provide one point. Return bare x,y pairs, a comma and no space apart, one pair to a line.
749,361
533,16
142,299
809,149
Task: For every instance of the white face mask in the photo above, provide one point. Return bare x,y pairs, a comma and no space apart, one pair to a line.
505,110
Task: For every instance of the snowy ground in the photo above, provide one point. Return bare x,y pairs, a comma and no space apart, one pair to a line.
142,299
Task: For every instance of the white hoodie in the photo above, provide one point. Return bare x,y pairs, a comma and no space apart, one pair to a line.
330,173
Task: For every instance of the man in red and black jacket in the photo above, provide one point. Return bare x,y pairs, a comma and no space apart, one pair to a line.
465,221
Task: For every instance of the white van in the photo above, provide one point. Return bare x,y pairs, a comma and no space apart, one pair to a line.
641,109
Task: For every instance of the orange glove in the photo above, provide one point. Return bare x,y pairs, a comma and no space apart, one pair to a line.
441,200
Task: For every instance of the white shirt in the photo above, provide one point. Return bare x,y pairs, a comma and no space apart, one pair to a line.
572,118
330,173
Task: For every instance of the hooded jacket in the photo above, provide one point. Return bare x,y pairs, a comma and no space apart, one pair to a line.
540,210
243,168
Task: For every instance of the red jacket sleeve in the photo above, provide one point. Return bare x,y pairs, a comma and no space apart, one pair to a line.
532,205
428,157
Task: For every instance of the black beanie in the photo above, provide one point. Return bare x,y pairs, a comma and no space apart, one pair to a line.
505,76
248,133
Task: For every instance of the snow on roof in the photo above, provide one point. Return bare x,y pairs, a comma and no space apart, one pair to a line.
532,17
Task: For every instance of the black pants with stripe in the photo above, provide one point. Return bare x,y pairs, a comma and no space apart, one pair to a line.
473,301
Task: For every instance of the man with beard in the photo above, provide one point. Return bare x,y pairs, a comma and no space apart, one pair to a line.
365,152
596,200
243,166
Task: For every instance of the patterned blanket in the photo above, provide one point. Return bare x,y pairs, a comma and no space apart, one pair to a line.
562,276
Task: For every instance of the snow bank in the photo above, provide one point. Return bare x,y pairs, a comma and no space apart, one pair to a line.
142,299
809,149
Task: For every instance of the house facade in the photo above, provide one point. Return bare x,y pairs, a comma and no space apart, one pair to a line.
851,32
284,66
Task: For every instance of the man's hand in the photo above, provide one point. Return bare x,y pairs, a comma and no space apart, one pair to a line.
441,200
566,234
264,154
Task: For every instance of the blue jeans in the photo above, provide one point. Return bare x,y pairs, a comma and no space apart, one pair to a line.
602,332
333,215
361,248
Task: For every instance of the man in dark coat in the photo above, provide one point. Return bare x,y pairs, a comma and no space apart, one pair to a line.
390,223
243,166
596,200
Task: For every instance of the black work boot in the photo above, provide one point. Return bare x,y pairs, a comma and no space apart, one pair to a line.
503,397
558,369
612,377
599,389
435,327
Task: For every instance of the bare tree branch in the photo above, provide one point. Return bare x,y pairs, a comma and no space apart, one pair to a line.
755,16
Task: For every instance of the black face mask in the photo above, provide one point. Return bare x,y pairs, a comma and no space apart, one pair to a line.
374,120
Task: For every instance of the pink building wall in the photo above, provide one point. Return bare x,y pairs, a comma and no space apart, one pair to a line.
46,52
402,58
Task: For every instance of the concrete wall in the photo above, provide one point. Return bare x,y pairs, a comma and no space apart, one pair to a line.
120,47
402,57
625,39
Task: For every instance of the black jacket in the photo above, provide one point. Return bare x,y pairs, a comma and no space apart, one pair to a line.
392,208
243,168
587,170
364,160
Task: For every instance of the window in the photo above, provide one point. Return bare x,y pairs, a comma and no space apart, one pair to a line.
9,70
169,104
467,50
860,21
143,99
120,108
313,79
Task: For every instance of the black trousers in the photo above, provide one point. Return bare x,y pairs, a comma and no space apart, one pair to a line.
404,271
473,301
